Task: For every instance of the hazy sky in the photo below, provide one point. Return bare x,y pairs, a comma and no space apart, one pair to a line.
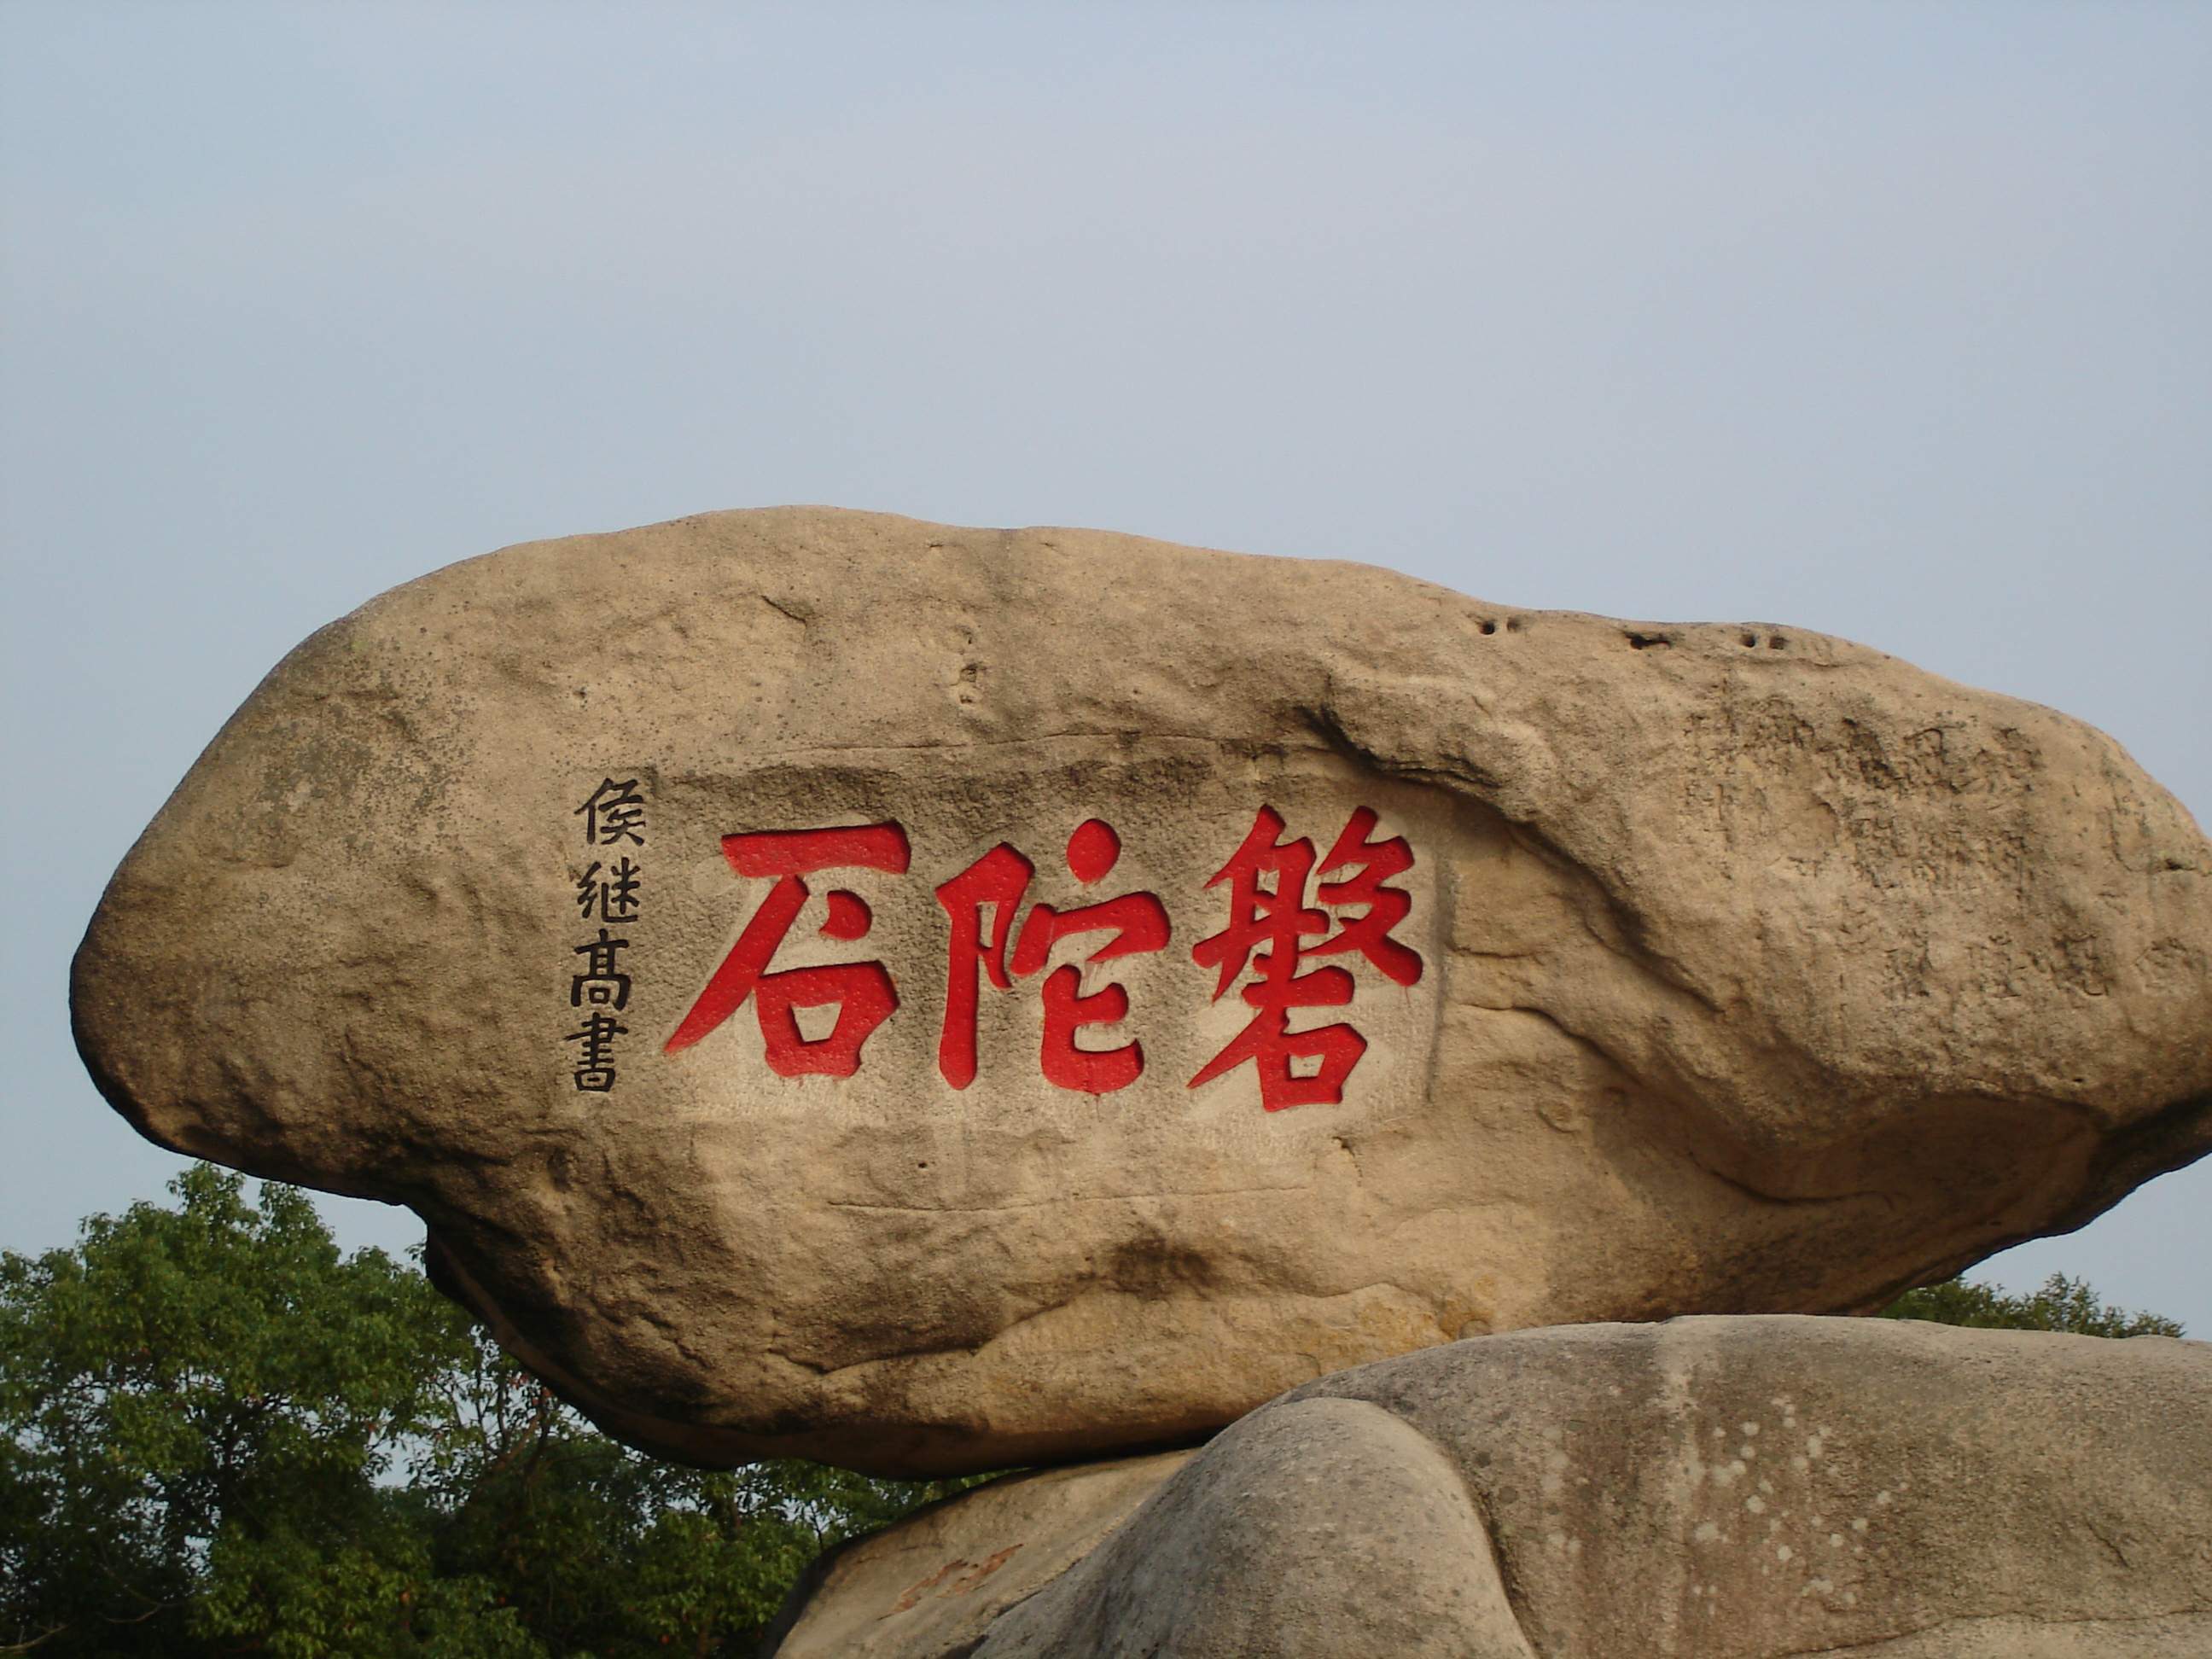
1887,321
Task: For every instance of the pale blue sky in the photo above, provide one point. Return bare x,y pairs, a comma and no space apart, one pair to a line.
1887,321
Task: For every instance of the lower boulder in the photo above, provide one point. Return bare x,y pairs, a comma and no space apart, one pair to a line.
1732,1487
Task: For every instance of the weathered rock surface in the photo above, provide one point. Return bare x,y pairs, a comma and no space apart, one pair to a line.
1739,969
940,1578
1713,1488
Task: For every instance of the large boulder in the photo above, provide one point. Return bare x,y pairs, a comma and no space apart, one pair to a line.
1729,1488
936,998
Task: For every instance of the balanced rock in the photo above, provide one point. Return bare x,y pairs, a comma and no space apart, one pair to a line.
1716,1488
934,999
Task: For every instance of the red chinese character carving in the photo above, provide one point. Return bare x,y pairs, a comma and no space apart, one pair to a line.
1137,922
1268,924
999,879
861,991
1375,862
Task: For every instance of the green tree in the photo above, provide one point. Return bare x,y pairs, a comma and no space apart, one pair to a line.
217,1435
199,1409
599,1549
2062,1304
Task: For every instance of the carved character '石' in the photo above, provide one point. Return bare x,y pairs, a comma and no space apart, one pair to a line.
861,991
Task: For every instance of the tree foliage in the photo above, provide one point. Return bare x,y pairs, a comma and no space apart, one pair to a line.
2062,1304
219,1435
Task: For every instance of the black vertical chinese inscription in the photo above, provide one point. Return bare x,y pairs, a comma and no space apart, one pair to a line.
599,984
613,812
608,893
595,1068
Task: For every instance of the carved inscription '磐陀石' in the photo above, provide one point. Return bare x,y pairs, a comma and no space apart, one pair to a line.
1271,936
